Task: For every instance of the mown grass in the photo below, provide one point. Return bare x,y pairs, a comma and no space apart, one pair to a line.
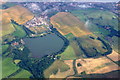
22,74
8,67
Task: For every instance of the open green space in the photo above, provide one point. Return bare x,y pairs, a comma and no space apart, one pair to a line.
0,68
8,67
69,36
22,74
68,54
97,19
73,51
19,32
4,48
102,17
7,29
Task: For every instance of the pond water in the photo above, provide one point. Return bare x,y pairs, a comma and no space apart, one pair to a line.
45,45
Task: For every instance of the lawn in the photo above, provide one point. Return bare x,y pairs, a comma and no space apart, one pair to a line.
22,74
8,67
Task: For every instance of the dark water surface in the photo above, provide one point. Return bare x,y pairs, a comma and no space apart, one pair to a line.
46,45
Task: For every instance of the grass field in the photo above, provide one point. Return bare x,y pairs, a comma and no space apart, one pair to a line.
8,67
21,16
73,51
22,74
19,31
68,54
0,68
91,46
69,36
4,48
53,69
102,17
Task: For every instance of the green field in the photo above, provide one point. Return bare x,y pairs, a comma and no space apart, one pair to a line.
0,68
68,54
69,36
8,67
19,31
7,29
73,51
4,48
22,74
102,17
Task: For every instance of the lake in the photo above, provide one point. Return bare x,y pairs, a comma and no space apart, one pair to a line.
45,45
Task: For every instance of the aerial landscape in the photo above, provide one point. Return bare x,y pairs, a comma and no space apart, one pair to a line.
59,40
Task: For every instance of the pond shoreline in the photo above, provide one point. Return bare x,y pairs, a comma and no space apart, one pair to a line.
54,32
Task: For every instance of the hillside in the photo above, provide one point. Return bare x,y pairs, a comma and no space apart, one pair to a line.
17,13
67,23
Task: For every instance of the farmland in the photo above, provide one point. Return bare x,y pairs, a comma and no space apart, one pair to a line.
19,16
19,32
97,20
55,67
22,74
86,40
79,36
68,54
4,48
67,23
8,67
